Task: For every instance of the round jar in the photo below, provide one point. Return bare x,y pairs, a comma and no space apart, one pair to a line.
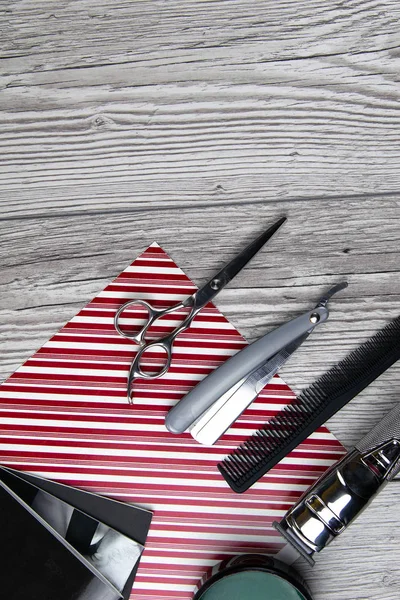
252,577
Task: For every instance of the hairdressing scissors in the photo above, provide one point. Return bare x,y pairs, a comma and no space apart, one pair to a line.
195,302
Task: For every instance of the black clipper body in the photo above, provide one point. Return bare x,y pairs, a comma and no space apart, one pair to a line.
345,490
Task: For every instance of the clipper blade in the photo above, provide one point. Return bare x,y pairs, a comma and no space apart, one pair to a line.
295,542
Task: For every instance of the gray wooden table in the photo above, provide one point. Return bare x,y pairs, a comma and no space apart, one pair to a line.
195,124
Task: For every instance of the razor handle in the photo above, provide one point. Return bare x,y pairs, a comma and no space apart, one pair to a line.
218,382
345,490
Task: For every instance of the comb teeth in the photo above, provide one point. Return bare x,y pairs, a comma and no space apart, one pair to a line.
315,405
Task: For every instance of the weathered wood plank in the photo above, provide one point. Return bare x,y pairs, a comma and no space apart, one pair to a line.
191,101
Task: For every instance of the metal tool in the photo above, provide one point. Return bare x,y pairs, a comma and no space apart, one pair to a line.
231,375
347,488
213,423
195,302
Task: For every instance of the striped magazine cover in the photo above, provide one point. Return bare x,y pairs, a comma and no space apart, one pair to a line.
65,416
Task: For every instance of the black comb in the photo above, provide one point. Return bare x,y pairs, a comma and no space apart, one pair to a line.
311,409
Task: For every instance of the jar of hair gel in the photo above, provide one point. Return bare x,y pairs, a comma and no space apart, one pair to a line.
252,577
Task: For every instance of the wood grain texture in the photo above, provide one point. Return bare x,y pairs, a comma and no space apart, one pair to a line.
196,124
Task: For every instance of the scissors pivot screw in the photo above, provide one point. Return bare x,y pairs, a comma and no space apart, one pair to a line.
314,318
215,284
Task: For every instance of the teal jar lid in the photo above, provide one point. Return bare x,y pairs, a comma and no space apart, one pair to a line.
251,585
252,577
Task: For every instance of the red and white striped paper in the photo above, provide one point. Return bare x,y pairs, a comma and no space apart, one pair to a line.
64,415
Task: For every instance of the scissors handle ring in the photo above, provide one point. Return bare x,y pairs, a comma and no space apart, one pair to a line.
136,368
166,343
137,371
153,314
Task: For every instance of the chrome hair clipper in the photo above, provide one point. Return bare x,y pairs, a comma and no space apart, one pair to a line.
345,490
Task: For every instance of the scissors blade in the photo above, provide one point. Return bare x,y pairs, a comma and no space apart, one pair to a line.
213,423
219,281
